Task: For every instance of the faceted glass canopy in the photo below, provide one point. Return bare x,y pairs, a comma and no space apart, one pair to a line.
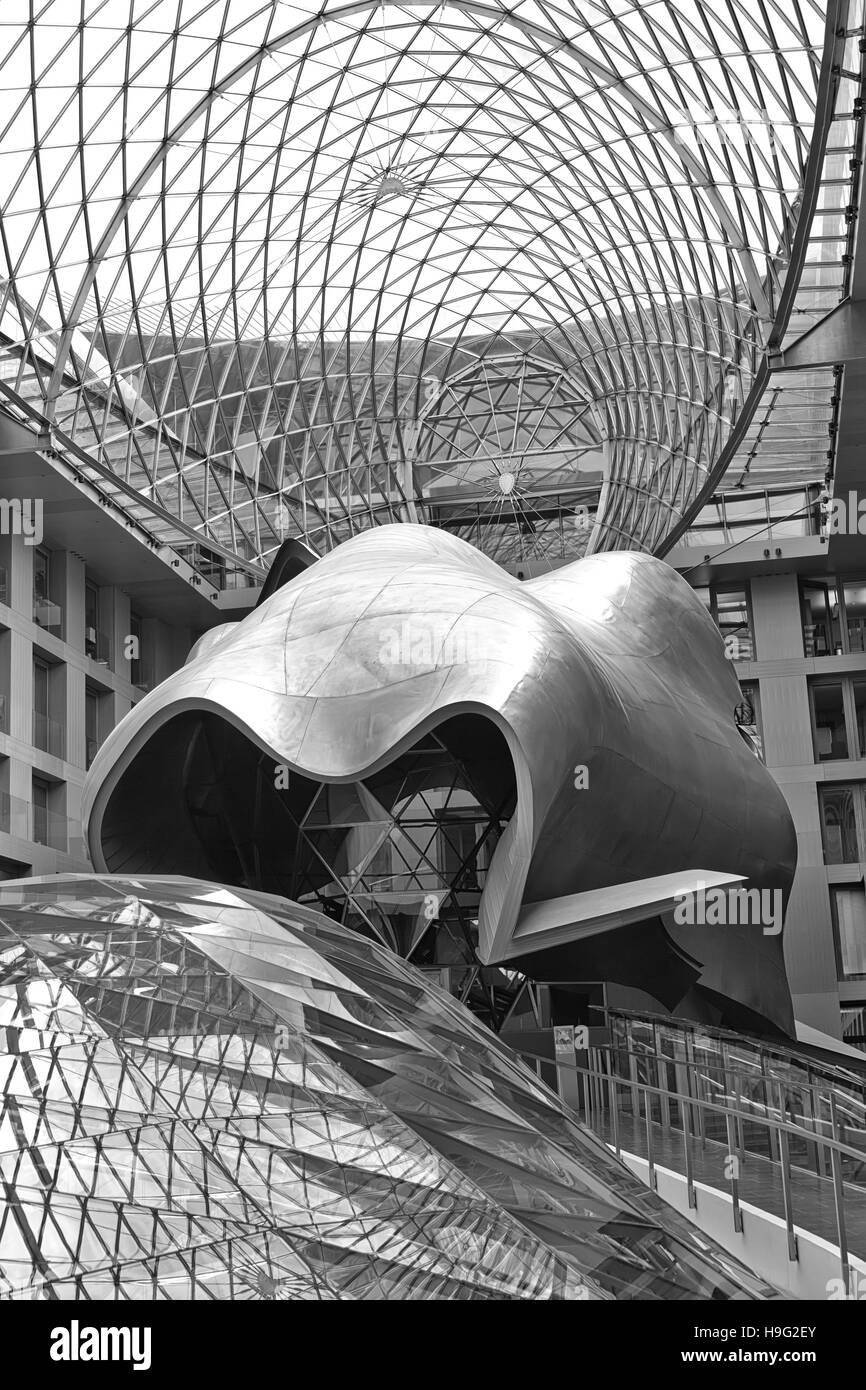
272,269
219,1095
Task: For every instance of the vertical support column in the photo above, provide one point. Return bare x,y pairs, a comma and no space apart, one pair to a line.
787,1196
613,1101
734,1179
566,1066
633,1077
650,1145
687,1144
839,1193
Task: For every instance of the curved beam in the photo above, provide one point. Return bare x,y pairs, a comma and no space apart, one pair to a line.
834,43
596,69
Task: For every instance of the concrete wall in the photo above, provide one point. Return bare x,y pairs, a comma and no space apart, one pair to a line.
782,672
72,673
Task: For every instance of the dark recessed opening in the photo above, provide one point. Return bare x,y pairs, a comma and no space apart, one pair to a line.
388,855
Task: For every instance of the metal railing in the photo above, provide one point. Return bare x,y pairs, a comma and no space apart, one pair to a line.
763,1123
659,1108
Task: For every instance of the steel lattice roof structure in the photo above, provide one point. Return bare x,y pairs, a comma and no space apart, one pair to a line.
274,269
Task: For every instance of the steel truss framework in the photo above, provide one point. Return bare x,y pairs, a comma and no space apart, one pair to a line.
288,270
401,857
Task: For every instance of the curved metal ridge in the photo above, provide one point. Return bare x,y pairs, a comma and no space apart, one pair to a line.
607,682
826,111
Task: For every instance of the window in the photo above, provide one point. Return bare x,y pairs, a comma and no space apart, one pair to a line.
91,726
49,821
46,613
40,811
95,641
748,716
849,921
858,694
136,666
13,868
41,574
839,718
40,687
91,618
828,721
764,515
842,823
47,732
854,1025
205,562
834,616
854,607
731,611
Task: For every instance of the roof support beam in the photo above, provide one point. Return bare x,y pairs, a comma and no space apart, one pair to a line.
838,338
604,75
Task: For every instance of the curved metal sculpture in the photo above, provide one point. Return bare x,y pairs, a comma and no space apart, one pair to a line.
591,712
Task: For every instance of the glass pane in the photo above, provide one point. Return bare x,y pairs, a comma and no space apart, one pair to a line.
849,907
838,826
90,715
747,509
860,714
796,526
831,740
40,688
748,715
91,606
40,574
855,613
732,615
821,635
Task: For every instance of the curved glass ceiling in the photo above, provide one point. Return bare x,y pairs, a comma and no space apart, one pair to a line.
285,270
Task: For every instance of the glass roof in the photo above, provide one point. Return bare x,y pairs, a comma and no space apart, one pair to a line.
272,269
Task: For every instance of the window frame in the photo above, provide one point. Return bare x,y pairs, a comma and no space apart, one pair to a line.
836,888
721,588
835,583
846,680
858,790
43,553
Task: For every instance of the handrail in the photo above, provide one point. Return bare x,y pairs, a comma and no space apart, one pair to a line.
692,1064
694,1107
715,1108
763,1049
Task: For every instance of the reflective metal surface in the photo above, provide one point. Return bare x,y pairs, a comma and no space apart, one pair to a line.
216,1095
600,695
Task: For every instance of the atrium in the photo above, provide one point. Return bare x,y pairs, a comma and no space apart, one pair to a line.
432,441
